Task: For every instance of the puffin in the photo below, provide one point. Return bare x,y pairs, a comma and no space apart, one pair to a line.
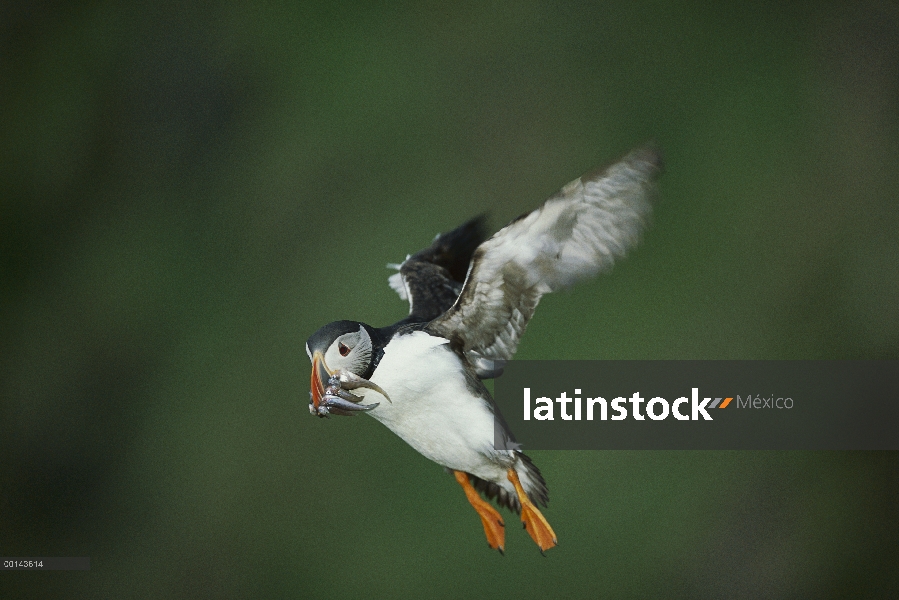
470,300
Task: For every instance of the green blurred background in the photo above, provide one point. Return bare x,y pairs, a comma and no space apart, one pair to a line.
188,191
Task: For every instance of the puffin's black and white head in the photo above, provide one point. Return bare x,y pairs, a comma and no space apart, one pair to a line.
341,353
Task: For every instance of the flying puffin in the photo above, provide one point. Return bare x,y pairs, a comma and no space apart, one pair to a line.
469,303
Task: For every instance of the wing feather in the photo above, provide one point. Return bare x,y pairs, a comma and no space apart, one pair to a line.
576,234
431,279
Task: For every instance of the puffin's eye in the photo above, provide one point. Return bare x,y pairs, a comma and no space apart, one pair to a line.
344,349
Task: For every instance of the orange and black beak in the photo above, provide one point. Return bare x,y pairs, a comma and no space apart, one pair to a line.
318,382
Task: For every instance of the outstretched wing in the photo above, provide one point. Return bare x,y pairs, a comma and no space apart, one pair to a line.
577,233
431,279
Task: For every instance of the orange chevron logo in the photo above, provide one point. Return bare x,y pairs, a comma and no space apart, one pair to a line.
722,404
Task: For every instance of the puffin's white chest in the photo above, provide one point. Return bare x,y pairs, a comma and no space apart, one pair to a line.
432,407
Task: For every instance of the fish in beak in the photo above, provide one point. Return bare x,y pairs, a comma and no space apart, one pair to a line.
328,390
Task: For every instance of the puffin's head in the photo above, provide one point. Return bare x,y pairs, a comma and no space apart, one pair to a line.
342,351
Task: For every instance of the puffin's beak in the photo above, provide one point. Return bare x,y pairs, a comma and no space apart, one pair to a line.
328,390
319,380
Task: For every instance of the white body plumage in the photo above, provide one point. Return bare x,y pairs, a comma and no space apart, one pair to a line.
429,393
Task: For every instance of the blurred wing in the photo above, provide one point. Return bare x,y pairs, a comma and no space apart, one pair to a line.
576,234
432,278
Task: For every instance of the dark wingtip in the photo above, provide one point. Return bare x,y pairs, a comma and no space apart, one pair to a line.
477,223
453,249
649,153
647,157
471,233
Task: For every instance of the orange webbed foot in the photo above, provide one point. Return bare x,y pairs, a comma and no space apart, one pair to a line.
534,522
494,527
